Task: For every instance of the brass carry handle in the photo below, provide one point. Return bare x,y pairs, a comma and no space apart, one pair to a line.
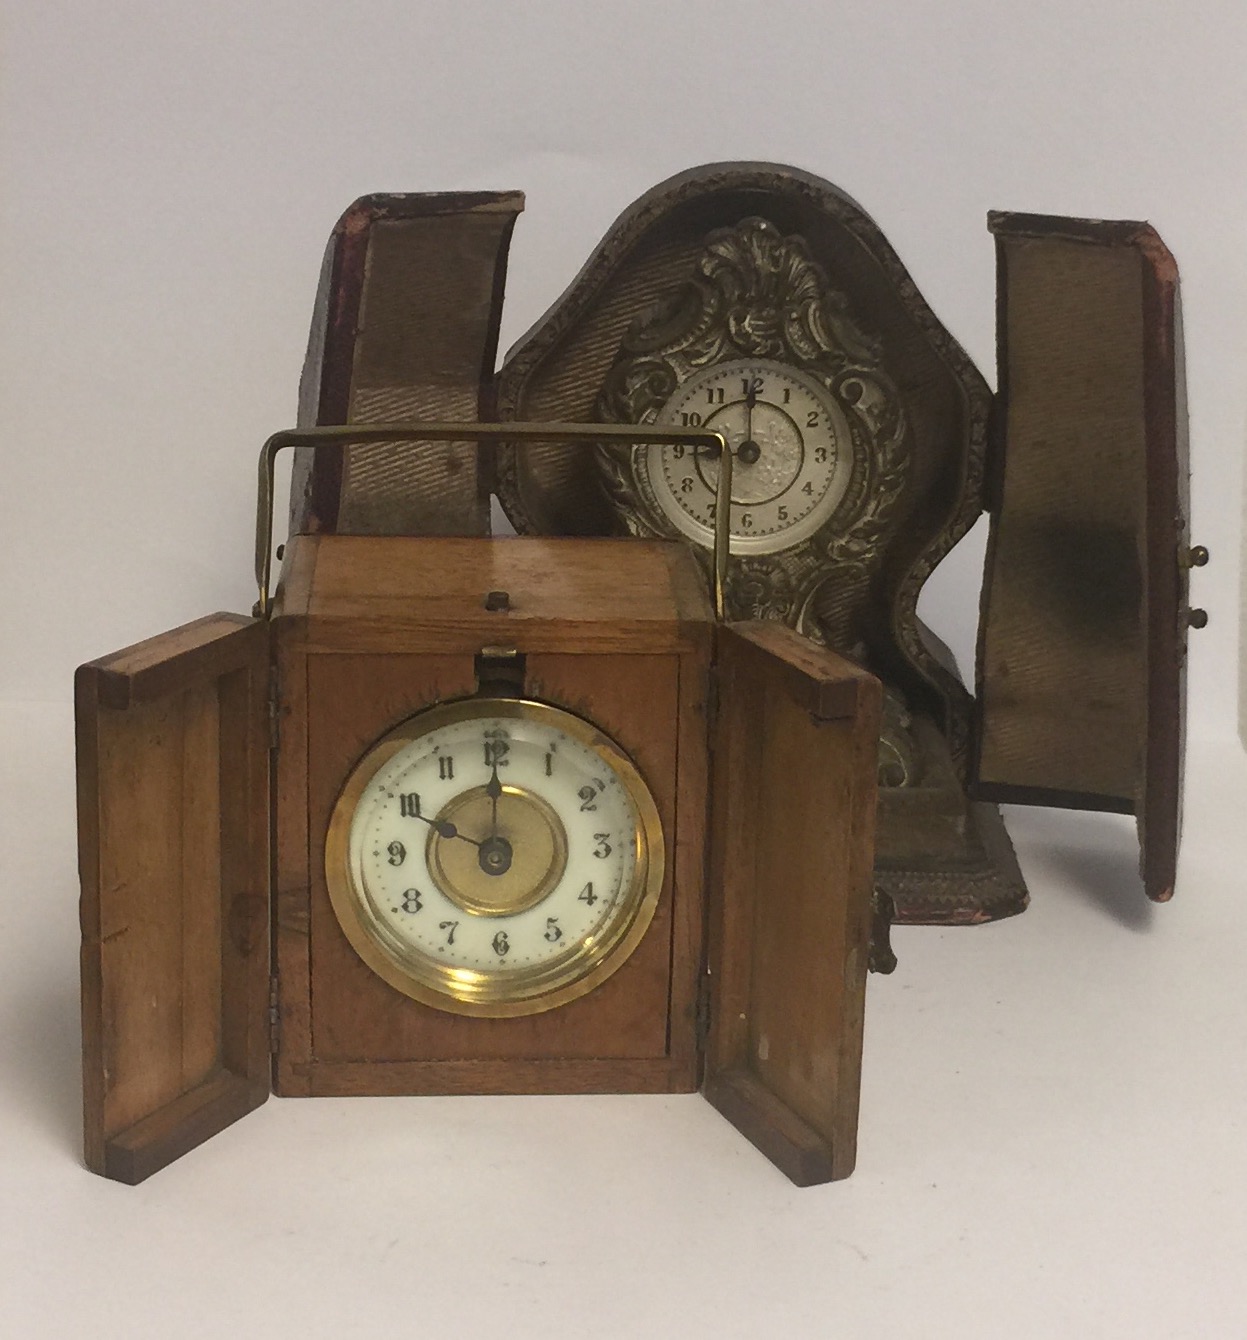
415,431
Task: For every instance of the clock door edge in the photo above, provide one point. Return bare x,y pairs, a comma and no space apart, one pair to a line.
172,777
1126,601
790,895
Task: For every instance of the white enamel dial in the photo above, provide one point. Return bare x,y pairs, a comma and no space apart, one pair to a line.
495,857
792,456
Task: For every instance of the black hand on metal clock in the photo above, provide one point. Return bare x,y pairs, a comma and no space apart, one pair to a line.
749,451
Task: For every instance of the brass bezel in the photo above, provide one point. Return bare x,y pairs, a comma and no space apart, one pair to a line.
465,991
464,900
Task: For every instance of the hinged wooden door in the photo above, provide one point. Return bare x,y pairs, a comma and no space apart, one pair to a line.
792,850
1083,633
173,857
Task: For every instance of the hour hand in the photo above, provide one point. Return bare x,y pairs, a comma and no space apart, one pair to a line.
444,828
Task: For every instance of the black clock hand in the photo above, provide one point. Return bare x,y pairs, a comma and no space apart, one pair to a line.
749,451
496,852
493,789
446,829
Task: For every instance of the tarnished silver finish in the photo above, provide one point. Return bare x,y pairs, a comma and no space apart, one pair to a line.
756,298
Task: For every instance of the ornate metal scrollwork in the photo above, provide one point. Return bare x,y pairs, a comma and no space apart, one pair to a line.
757,294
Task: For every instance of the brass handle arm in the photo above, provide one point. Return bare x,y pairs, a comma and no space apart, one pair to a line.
342,437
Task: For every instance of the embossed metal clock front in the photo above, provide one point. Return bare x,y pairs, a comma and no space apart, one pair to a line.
495,857
793,455
757,345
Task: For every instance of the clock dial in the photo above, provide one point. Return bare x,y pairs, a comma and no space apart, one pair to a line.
495,857
792,455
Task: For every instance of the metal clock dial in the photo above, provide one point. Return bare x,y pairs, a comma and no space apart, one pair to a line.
495,857
792,455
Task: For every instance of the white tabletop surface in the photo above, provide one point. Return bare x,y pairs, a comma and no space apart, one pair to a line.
1052,1143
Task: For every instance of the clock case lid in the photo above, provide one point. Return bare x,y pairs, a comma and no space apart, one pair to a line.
173,806
1082,636
405,326
175,814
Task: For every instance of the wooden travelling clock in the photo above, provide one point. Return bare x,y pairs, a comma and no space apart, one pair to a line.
762,301
470,815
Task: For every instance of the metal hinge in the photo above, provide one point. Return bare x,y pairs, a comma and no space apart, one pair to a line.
702,1018
274,1016
274,710
712,704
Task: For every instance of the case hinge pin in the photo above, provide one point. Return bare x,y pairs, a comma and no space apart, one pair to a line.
274,710
702,1021
274,1016
712,705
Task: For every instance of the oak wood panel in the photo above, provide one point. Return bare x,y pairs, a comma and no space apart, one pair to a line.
291,879
548,1075
172,797
358,1017
791,860
400,593
688,937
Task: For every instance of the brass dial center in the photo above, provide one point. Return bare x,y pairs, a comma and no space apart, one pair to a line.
497,863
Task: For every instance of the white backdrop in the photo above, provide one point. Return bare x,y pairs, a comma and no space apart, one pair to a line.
169,174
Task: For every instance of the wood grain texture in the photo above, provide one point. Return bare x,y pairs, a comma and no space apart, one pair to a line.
347,1079
172,804
358,1017
343,1029
384,594
791,858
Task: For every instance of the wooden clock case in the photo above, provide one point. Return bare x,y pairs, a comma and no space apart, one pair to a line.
210,759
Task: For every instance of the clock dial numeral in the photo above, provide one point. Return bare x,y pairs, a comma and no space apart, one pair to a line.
498,889
785,428
496,752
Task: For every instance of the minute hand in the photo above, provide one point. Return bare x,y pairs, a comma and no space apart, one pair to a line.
493,789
